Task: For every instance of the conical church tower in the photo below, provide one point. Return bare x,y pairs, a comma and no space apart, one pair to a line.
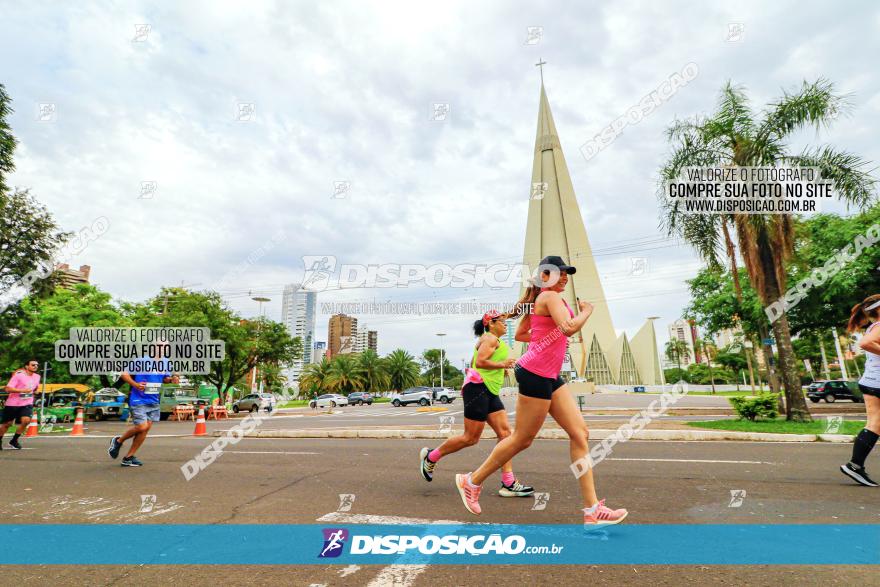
555,227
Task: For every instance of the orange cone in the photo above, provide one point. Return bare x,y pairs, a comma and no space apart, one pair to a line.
33,428
78,429
201,429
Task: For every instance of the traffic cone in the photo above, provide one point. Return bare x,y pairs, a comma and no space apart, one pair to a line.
201,429
78,429
33,428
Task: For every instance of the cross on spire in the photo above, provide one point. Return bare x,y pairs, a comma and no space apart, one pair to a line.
540,64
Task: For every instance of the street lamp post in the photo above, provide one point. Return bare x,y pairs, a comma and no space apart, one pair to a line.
259,328
46,369
441,335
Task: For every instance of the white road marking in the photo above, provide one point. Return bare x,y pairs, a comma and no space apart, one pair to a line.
691,461
397,576
392,575
348,518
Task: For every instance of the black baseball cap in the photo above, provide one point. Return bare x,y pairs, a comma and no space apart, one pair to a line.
557,261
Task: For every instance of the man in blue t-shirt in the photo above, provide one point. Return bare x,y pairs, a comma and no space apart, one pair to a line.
145,376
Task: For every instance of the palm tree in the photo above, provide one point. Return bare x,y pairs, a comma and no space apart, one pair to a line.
706,348
345,374
402,369
734,136
675,350
373,374
314,379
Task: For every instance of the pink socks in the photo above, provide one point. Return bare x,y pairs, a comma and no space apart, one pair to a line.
507,478
434,455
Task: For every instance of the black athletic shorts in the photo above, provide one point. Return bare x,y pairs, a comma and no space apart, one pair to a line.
479,402
869,390
16,413
533,385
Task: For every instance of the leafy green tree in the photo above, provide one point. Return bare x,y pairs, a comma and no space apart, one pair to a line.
403,370
29,235
732,358
817,239
248,342
44,320
7,140
734,136
430,362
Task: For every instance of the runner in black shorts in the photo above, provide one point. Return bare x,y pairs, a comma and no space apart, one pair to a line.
482,404
536,386
20,403
866,313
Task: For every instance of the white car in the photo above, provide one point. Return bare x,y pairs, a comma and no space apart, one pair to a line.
328,400
255,401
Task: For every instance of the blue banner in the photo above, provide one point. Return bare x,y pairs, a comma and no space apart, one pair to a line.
492,544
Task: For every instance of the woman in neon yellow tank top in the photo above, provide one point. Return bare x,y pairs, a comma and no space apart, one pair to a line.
482,404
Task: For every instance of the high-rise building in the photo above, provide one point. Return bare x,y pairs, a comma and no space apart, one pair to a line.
70,277
298,308
341,333
319,351
366,339
682,330
555,227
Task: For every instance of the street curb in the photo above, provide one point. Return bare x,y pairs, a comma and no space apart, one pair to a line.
552,434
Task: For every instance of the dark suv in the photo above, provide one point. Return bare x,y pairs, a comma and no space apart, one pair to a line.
360,398
834,390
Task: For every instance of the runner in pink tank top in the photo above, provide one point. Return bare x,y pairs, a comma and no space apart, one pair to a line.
547,351
542,391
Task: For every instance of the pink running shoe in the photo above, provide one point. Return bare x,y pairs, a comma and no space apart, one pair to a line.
470,495
604,516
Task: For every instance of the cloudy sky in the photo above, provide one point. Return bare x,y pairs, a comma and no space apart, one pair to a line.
344,92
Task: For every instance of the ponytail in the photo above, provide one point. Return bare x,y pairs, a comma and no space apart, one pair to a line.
479,329
526,303
861,316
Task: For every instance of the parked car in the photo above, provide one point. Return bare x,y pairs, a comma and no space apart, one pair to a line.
254,402
445,395
414,395
60,406
834,390
172,396
328,400
107,403
360,398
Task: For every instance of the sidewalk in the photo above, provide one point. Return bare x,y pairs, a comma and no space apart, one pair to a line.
599,430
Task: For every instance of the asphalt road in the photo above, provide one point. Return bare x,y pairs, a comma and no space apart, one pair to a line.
263,481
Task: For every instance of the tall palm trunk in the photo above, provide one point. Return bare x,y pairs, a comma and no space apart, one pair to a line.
795,404
762,331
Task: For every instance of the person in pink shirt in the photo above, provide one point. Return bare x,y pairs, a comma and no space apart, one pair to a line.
20,403
542,391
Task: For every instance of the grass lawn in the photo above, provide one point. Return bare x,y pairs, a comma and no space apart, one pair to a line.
294,403
779,426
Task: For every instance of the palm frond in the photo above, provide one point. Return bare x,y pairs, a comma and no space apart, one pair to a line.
815,104
852,182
